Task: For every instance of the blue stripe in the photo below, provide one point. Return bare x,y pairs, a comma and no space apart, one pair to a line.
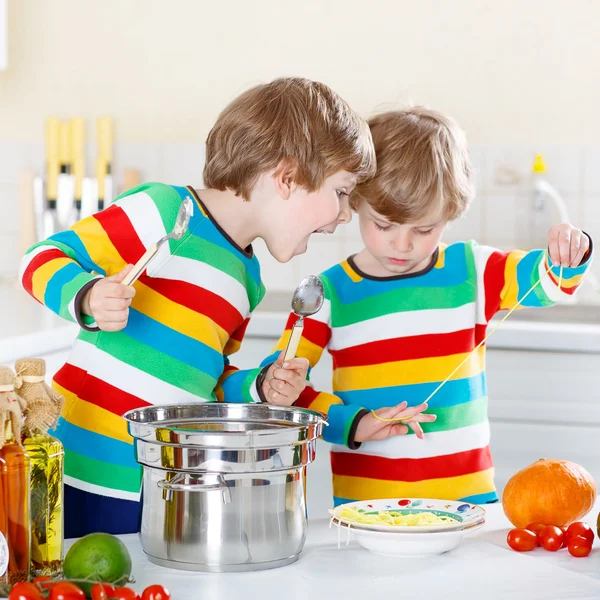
452,393
96,446
481,498
54,287
339,419
454,273
72,240
337,501
88,513
174,344
527,275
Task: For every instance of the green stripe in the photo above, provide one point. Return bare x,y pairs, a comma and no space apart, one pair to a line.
152,361
248,380
70,290
539,289
348,426
104,474
457,416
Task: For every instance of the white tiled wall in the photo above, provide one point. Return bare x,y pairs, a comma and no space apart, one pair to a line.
501,214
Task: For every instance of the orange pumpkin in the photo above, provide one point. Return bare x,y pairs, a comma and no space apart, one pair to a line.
552,492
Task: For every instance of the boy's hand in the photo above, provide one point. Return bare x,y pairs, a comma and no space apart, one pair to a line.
107,301
567,245
370,428
283,383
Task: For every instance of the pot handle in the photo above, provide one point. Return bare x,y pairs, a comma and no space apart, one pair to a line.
206,483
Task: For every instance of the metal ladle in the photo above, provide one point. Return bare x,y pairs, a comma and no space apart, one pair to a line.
186,210
306,301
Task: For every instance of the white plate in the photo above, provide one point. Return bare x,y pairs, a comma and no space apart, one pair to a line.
464,514
410,545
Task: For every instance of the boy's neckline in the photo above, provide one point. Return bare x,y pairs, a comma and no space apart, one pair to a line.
247,252
429,267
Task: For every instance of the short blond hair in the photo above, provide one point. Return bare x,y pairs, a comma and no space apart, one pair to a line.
422,166
289,119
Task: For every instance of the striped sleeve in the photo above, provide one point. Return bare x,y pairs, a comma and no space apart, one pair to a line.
235,385
504,278
58,271
315,338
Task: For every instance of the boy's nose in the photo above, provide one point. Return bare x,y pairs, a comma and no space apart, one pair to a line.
402,244
345,214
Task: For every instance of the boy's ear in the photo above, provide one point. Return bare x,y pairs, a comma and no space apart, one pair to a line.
285,177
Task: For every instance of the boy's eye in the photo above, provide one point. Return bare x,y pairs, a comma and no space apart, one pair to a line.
381,227
341,193
424,231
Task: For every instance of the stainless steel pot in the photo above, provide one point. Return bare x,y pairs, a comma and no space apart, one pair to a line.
224,484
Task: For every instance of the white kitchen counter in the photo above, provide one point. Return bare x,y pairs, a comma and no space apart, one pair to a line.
481,567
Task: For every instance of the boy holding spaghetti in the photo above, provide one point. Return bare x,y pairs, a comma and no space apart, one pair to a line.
402,314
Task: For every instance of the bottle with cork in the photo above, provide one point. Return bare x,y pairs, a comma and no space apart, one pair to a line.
46,454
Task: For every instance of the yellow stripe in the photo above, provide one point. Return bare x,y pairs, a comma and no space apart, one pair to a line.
43,274
178,317
351,272
510,291
88,416
446,488
441,260
407,372
567,283
231,347
306,348
98,245
323,402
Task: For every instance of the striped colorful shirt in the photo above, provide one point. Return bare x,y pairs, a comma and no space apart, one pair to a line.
188,316
395,339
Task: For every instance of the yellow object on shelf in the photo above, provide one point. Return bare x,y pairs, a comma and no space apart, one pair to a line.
78,154
52,157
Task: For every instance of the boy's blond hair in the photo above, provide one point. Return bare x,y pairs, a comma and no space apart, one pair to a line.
290,119
422,166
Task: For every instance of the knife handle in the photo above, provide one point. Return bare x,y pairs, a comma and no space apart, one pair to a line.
295,337
140,265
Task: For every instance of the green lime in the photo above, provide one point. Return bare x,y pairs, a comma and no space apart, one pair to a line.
98,557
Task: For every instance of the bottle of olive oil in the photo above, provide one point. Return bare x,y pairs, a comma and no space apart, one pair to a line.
14,482
46,454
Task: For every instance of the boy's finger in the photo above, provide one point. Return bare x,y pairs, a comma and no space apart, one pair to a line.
417,429
399,430
565,248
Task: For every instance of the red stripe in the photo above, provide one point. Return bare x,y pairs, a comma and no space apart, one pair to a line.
197,299
238,334
307,397
121,232
565,290
96,391
407,348
314,331
36,262
411,469
493,282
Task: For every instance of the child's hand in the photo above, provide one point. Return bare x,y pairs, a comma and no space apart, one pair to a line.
370,428
108,301
567,245
284,383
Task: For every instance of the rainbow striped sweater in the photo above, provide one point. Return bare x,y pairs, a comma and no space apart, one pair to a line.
189,315
396,338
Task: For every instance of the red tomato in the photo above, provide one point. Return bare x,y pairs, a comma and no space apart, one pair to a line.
521,540
44,581
579,546
536,528
25,591
102,591
551,538
65,590
579,528
565,537
156,592
125,593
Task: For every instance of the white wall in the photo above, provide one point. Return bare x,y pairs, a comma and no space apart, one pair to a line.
516,71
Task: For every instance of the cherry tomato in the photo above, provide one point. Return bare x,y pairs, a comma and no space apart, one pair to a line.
551,538
565,538
536,528
521,540
156,592
44,581
579,528
102,591
25,591
125,593
579,546
65,590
